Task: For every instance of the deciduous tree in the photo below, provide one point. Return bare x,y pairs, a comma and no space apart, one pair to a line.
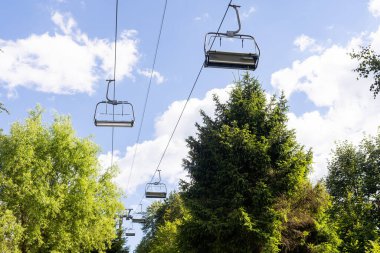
354,183
52,183
369,67
10,231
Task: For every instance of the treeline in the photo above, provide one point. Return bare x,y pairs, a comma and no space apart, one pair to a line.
249,192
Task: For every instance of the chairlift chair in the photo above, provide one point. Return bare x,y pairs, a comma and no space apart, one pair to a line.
130,232
156,189
139,217
234,60
140,220
114,113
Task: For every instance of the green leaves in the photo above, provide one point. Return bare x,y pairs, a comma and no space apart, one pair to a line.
161,227
353,181
10,231
50,179
369,66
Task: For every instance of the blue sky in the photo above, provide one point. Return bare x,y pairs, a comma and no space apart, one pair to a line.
58,53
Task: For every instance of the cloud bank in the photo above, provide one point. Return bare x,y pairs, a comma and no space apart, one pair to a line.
65,62
344,106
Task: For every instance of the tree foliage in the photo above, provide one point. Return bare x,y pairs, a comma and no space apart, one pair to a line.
241,164
161,227
50,181
118,244
10,231
307,226
369,66
353,182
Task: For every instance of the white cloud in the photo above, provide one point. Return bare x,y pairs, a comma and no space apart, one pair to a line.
248,13
66,62
150,151
328,81
65,22
374,7
156,75
204,16
304,42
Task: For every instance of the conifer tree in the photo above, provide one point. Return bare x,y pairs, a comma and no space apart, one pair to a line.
241,164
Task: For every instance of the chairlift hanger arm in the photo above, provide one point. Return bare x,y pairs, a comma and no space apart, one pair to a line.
233,33
159,176
108,87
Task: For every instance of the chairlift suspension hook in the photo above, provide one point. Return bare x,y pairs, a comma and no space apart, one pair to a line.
159,176
111,101
233,33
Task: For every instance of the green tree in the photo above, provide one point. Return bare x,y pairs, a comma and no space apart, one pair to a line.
241,164
10,231
307,226
369,66
51,182
353,182
118,244
374,247
161,227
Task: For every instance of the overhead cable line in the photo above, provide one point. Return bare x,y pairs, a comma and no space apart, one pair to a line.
185,105
147,92
114,78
